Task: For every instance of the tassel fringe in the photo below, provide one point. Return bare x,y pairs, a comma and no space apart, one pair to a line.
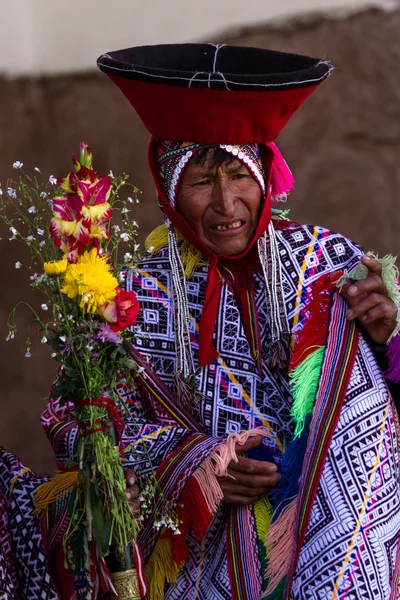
160,568
279,544
55,489
216,465
304,382
190,256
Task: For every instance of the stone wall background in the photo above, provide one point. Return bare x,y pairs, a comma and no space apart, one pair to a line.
343,147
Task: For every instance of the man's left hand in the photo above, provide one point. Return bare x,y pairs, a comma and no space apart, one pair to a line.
369,302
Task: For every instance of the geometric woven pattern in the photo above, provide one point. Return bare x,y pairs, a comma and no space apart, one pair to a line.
30,577
351,543
353,538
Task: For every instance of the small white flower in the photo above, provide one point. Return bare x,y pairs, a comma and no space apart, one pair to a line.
10,336
140,370
150,249
127,256
131,200
136,247
86,297
18,165
14,233
111,174
116,228
43,340
18,265
32,210
42,243
53,355
40,231
134,224
63,338
37,169
124,236
43,194
89,347
28,354
1,192
52,180
122,276
11,192
30,238
44,307
124,210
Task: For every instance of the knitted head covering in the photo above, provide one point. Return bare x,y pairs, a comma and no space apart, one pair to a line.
173,158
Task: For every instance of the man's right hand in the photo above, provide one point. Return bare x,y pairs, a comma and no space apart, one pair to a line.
252,478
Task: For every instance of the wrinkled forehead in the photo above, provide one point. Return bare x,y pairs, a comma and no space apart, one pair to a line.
174,157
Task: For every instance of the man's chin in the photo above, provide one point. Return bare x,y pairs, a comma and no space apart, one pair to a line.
230,250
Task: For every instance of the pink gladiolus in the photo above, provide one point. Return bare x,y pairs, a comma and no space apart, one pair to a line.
82,215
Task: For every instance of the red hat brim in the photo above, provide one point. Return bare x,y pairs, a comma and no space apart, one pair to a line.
214,94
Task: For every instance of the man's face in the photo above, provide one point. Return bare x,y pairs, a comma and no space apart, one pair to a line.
221,204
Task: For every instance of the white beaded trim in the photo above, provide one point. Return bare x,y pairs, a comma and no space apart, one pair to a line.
235,151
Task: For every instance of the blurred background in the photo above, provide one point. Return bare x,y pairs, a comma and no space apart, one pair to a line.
343,146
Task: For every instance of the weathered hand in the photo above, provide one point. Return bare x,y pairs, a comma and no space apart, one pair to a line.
249,479
132,490
369,302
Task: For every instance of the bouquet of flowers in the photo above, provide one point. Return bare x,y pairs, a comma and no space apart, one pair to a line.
88,330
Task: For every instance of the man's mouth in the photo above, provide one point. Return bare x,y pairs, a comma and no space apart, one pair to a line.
229,226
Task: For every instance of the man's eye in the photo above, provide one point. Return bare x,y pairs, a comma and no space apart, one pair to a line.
202,182
239,176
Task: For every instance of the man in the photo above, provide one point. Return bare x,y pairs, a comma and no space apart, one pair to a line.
261,430
267,426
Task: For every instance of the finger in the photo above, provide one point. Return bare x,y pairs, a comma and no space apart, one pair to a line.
251,443
253,466
241,500
381,311
135,506
229,487
357,311
373,265
254,481
132,492
130,477
372,284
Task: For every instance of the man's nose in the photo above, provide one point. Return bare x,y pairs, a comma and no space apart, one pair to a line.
224,200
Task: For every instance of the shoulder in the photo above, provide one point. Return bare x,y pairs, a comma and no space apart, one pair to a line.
315,248
151,272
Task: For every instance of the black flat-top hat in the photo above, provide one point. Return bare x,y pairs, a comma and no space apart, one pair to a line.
214,94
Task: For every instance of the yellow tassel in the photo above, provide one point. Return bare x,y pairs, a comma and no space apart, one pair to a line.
263,514
58,487
160,569
191,257
157,239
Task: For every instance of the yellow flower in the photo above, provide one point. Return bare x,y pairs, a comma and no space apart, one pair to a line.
90,281
55,268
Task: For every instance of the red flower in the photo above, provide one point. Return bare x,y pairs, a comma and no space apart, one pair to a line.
123,312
